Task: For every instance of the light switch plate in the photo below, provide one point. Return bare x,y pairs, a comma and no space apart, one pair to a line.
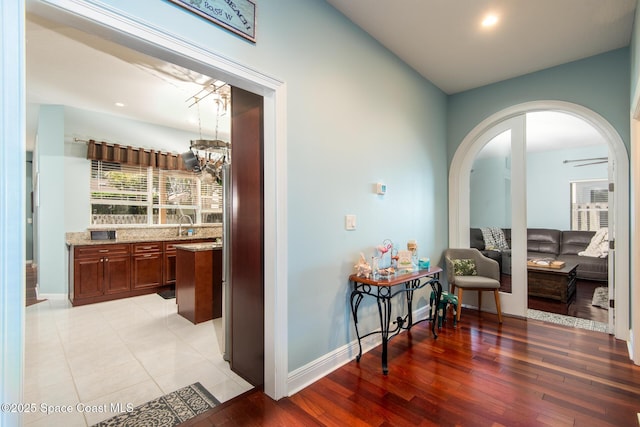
350,222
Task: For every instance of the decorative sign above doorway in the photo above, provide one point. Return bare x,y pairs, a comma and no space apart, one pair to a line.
238,16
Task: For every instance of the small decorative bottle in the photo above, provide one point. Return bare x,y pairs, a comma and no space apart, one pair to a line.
412,246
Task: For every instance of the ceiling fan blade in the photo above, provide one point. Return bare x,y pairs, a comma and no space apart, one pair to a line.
592,163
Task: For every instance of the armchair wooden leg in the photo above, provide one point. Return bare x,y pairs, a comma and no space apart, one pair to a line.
479,301
459,305
496,294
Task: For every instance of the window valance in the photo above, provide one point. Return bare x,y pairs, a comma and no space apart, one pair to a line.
133,156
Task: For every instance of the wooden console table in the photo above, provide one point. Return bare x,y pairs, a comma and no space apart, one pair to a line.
383,289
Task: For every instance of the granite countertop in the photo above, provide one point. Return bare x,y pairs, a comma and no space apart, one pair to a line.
197,247
82,242
144,235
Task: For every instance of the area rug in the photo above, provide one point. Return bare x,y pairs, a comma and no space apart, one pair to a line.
168,294
574,322
167,411
601,298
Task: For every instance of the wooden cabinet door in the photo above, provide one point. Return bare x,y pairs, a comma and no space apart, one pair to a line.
147,265
147,270
88,277
117,274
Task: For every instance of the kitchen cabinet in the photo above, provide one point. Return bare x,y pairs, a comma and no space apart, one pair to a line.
170,263
103,272
146,265
98,271
170,259
199,281
117,278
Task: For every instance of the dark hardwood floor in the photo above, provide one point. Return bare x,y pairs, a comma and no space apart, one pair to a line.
520,373
579,307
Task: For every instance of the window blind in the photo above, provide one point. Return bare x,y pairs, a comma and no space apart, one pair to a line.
124,194
118,184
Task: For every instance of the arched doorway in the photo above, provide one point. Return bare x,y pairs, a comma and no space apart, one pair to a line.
459,206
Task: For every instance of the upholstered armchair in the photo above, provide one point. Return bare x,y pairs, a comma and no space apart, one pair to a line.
468,269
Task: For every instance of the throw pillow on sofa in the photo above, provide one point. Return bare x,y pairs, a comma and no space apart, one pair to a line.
464,267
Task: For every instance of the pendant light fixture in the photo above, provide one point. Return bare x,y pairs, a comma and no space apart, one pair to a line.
209,155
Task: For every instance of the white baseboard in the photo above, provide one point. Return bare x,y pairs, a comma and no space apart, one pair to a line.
321,367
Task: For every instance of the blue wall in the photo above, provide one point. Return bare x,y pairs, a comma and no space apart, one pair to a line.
356,115
548,193
50,211
600,83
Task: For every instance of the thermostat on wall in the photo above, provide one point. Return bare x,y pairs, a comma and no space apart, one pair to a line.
381,188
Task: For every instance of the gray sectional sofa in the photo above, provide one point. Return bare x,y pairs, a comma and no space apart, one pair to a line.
551,243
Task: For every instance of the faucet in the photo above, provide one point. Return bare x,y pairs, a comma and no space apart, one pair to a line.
180,223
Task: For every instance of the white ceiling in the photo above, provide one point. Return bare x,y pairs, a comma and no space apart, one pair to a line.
547,131
445,42
441,39
68,67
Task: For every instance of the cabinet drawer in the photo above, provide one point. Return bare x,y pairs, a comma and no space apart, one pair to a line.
170,246
141,248
94,251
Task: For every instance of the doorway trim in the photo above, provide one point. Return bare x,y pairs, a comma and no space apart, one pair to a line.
459,175
155,41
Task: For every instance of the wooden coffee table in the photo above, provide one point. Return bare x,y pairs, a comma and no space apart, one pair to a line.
553,283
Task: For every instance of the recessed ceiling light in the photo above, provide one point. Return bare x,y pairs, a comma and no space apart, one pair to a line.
490,20
119,104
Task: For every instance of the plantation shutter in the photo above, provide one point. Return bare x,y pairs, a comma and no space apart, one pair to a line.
589,205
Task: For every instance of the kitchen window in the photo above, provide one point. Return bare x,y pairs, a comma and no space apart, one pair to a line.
128,195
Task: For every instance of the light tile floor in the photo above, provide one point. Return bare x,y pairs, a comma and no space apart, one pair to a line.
126,352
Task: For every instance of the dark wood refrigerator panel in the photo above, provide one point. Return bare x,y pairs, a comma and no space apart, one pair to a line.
246,256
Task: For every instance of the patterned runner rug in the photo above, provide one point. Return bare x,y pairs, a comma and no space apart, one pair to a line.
167,411
573,322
